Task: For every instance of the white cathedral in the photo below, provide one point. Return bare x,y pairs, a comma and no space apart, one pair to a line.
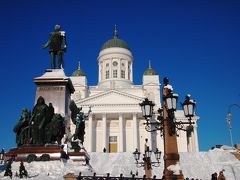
116,123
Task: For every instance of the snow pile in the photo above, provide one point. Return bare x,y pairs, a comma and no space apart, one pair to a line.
193,165
120,163
50,169
175,169
203,164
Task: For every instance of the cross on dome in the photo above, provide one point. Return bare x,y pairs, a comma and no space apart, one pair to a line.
149,64
115,31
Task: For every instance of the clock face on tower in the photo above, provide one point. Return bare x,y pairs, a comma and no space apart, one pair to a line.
115,63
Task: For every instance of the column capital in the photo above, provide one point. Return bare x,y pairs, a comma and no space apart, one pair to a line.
104,115
121,115
90,115
134,114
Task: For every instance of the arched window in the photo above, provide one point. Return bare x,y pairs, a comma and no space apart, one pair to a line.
122,74
107,74
114,73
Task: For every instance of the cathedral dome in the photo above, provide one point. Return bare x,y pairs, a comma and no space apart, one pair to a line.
115,42
78,72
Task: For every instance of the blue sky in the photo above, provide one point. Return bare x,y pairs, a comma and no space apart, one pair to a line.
194,43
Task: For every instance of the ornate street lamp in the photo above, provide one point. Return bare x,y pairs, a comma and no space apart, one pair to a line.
229,120
148,153
147,108
189,107
147,157
171,100
157,154
167,124
136,154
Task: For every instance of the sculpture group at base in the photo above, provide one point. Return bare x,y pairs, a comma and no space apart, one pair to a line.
78,118
41,127
44,126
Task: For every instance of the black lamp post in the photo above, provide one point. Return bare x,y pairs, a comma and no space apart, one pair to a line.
167,125
147,157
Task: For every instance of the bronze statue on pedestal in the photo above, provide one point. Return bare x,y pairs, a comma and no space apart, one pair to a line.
57,46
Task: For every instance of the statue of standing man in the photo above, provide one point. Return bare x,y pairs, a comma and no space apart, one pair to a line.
57,46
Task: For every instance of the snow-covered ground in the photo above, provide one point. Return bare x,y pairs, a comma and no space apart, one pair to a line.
194,165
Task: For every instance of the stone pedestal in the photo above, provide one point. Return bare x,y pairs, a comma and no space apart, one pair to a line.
56,88
35,153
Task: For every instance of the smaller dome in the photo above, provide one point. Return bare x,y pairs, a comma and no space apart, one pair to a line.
78,72
150,71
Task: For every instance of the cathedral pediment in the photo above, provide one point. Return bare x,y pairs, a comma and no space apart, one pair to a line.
111,97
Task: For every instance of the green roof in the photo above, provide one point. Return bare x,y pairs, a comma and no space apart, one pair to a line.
150,71
78,72
115,42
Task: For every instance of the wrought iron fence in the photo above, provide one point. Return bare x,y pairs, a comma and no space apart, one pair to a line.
108,177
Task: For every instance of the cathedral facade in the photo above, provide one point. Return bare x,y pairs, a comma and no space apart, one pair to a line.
116,123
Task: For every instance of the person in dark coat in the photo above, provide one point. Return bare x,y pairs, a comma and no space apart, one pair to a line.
221,176
214,176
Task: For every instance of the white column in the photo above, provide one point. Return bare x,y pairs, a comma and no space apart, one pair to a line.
190,143
189,138
121,133
103,75
90,130
119,68
110,69
104,128
195,137
135,132
131,75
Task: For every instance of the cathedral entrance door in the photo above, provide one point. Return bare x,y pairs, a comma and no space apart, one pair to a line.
113,144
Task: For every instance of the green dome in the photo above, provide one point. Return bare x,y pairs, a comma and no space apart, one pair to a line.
78,72
150,71
115,42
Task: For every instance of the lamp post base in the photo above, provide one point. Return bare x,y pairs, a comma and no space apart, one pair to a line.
174,177
172,159
168,175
